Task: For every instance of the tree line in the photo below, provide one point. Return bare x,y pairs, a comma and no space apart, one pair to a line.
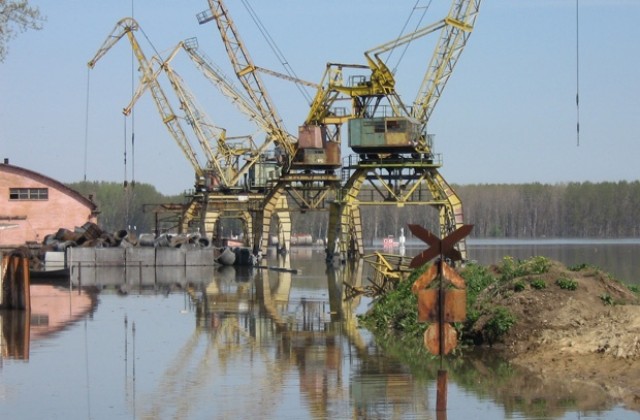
123,206
572,210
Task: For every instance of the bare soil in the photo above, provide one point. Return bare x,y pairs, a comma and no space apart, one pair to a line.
589,336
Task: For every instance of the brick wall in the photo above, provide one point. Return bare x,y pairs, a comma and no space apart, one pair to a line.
34,219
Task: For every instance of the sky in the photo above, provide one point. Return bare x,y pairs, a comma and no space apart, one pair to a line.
507,115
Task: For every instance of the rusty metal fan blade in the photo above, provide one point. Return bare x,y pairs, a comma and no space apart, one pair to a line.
425,256
454,237
424,235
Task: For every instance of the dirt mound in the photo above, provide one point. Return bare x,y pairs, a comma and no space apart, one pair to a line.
572,325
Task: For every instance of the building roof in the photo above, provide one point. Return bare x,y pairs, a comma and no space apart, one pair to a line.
6,167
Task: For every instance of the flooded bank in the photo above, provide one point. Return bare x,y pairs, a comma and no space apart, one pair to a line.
234,342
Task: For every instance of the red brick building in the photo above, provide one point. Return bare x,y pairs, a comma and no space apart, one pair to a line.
33,205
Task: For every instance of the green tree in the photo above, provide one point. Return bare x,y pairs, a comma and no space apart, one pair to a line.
123,208
16,16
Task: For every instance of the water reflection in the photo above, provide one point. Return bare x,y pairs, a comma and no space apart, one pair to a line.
292,332
267,343
53,308
138,276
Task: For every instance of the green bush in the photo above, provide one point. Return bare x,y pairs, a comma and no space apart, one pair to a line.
537,265
578,267
396,310
501,321
511,268
519,286
477,278
607,299
566,283
538,284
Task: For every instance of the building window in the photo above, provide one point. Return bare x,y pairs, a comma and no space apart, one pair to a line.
28,193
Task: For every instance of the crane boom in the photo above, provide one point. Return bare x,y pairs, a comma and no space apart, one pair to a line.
206,132
214,75
222,158
455,31
329,90
127,26
286,77
453,38
308,162
247,73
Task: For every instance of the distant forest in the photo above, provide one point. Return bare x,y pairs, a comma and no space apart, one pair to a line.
573,210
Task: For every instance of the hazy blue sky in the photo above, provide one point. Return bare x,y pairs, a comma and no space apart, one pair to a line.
507,115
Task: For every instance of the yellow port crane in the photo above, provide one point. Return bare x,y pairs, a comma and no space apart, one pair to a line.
228,161
308,162
220,172
259,154
395,152
226,156
127,26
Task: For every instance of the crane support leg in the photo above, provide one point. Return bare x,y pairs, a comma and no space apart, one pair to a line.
422,184
284,228
275,205
210,219
190,214
345,227
351,243
333,231
247,228
450,214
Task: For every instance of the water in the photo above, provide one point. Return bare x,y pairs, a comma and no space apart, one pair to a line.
242,343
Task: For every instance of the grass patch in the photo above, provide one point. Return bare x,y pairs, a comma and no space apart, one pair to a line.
395,314
579,267
477,278
607,299
510,268
567,283
519,286
538,284
499,324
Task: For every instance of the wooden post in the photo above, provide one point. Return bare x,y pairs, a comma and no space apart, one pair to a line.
25,282
15,329
441,397
15,283
3,269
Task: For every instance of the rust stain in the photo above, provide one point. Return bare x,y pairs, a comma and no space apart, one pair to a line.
432,339
455,308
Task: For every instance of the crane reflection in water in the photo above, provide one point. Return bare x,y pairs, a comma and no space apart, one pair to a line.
252,341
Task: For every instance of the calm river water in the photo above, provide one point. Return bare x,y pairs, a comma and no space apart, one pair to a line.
236,343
